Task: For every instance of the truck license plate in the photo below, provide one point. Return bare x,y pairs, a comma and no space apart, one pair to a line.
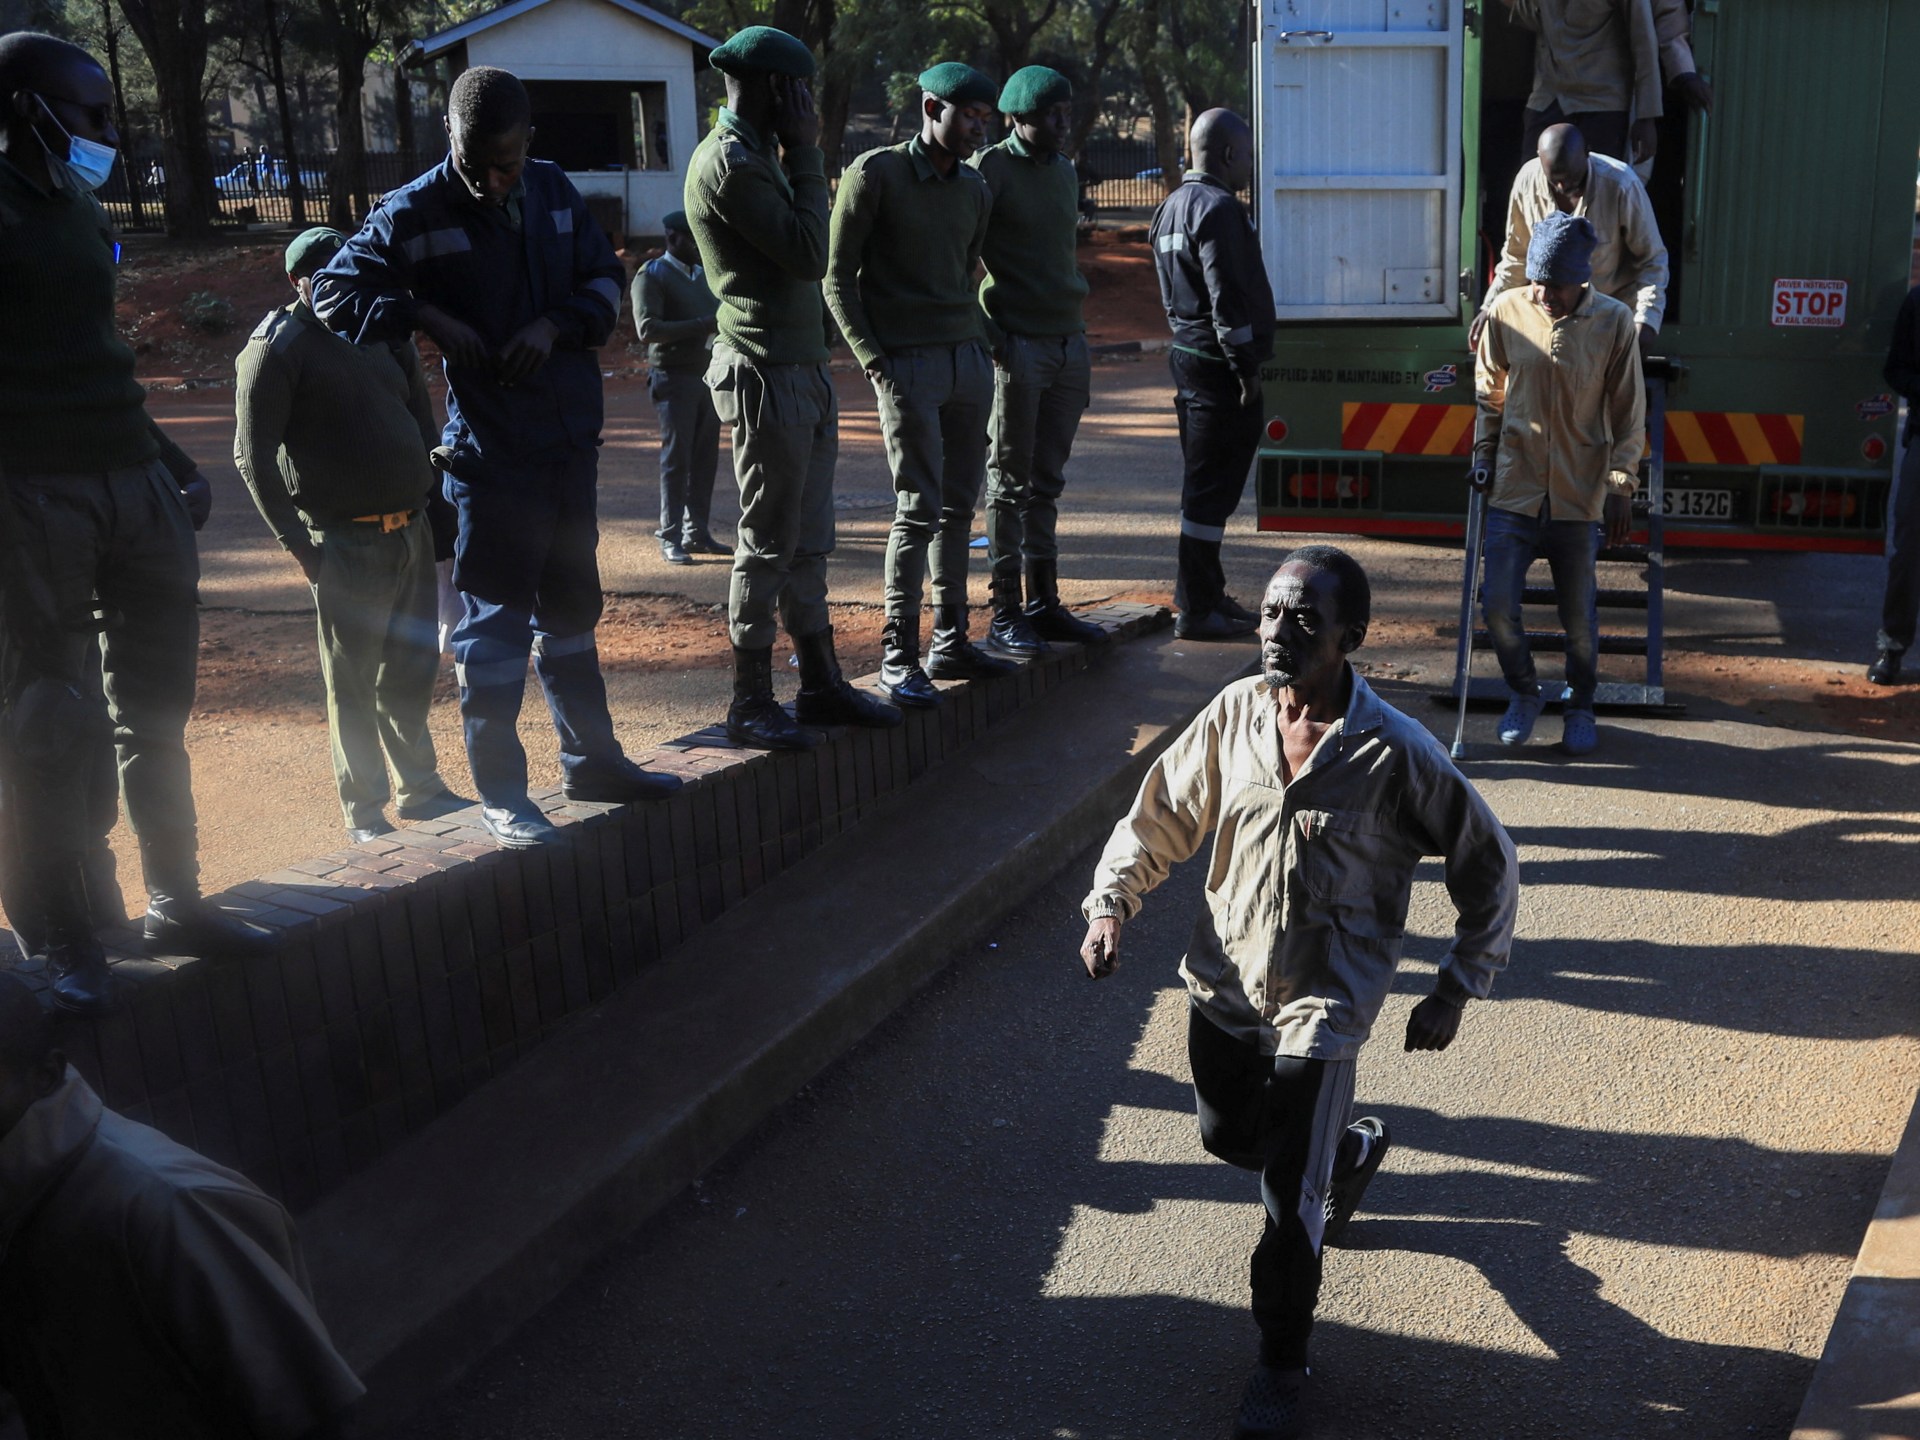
1696,504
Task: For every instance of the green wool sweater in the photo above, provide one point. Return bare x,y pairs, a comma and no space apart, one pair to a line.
761,224
328,431
1034,286
905,241
674,313
68,399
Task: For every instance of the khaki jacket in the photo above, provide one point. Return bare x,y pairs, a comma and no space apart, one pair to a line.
1629,263
1593,55
1563,404
1308,887
147,1292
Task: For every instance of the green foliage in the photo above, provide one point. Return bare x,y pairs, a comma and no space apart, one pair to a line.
208,313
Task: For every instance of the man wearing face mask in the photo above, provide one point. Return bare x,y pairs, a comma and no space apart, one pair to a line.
332,439
495,256
96,520
908,227
1042,377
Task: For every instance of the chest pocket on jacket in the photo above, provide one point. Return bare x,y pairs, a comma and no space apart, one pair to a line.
1339,852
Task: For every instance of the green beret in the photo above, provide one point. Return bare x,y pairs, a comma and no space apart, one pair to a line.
958,84
761,47
313,248
675,220
1036,88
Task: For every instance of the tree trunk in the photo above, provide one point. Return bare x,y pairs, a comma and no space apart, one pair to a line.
835,108
347,187
110,37
174,35
289,146
1166,129
1094,74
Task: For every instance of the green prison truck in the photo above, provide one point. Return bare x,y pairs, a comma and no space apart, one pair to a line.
1389,135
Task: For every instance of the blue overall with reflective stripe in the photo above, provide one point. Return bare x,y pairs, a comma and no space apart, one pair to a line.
523,473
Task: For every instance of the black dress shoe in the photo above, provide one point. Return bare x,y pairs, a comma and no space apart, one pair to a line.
1236,610
356,834
435,807
1011,632
617,782
518,829
189,925
79,979
1056,622
706,545
672,552
1885,669
1216,625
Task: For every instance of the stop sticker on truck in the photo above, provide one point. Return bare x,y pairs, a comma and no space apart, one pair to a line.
1820,303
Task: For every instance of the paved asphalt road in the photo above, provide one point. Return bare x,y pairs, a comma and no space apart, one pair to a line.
1623,1205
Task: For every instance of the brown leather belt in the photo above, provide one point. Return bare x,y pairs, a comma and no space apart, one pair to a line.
396,520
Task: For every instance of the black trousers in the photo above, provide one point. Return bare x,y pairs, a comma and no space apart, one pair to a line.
1605,131
1286,1119
1902,603
1218,438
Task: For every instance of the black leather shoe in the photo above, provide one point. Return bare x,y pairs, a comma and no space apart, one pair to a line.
672,552
1235,610
79,978
706,545
755,718
1011,633
518,829
189,925
901,678
1885,669
1217,625
436,807
358,833
1049,618
617,782
953,657
826,698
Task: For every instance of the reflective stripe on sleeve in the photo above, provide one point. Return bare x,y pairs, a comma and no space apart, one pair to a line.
563,221
1242,336
451,241
1172,240
606,290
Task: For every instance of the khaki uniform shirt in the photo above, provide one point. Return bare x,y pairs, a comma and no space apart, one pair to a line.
1593,55
1308,887
147,1292
1629,263
1563,404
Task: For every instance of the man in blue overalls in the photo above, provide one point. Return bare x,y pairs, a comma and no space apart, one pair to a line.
495,257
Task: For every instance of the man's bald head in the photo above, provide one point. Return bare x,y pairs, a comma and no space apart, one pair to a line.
1563,156
1223,147
30,1066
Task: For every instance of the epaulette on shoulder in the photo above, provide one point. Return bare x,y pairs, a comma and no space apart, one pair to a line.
276,328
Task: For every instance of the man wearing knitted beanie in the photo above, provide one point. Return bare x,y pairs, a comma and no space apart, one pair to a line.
1559,439
1042,375
908,228
756,204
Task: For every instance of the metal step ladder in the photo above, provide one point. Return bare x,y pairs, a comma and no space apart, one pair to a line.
1649,696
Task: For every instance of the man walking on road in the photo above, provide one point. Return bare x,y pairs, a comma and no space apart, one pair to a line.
1042,375
756,199
332,438
1214,285
1563,415
496,257
1901,603
673,312
96,522
1323,799
908,228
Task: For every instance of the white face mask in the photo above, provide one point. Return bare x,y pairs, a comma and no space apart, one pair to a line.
88,162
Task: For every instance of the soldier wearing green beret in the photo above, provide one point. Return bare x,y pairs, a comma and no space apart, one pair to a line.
1042,374
332,439
756,201
908,227
673,311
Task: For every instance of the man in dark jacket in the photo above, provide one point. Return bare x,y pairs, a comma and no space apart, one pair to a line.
675,314
495,256
144,1290
332,439
1902,602
1220,305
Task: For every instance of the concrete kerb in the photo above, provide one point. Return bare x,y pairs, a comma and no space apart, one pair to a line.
1867,1384
420,1270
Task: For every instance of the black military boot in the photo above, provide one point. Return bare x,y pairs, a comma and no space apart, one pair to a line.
901,677
953,657
826,698
76,965
755,718
1010,632
1050,619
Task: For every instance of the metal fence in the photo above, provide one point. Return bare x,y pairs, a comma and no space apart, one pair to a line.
249,191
